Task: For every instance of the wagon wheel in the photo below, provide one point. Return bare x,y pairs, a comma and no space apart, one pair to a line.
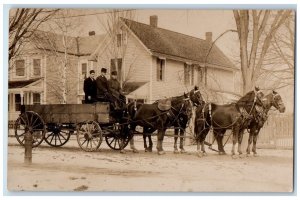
89,136
117,140
56,136
32,122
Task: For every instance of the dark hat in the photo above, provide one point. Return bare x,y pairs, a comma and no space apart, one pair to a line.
114,73
103,70
92,71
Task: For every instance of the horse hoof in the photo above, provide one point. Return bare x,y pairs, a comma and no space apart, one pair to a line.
241,156
204,154
248,155
123,151
161,152
176,151
183,151
135,150
255,155
222,153
234,156
200,154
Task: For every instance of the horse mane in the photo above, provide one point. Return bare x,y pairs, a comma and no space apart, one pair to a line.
246,99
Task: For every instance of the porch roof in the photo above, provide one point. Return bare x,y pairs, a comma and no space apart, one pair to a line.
21,83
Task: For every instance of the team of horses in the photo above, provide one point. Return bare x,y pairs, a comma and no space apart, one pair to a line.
249,112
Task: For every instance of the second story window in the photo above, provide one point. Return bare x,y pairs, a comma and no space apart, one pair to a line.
37,67
188,74
119,40
161,64
20,67
84,70
116,65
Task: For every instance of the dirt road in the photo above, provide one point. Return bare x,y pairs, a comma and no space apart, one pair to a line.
70,169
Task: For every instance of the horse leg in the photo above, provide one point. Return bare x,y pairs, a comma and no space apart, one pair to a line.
131,142
175,140
254,141
145,139
160,137
250,139
235,131
150,143
182,150
240,139
219,137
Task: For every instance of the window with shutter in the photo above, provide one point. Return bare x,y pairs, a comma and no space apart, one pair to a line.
161,63
37,67
20,67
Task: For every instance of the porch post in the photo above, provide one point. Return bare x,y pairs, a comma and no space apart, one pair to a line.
22,97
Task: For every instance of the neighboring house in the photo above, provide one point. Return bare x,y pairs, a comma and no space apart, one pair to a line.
158,63
36,76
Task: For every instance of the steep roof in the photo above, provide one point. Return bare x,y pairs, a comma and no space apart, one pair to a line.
163,41
79,46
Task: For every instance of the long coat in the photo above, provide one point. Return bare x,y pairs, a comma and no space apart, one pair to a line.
102,86
90,90
115,87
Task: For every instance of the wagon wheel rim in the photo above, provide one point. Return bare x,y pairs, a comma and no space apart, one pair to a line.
116,143
57,139
89,136
32,122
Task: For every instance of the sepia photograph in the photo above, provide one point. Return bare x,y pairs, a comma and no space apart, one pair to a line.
151,100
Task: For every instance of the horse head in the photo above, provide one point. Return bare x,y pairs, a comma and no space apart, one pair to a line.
277,102
196,97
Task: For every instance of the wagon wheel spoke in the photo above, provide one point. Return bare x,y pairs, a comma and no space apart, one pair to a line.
59,138
113,139
62,135
50,135
88,141
83,142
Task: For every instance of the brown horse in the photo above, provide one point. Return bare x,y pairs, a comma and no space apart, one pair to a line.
272,99
145,115
235,116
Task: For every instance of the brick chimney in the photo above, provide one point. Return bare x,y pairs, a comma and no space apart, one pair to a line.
208,36
153,21
91,33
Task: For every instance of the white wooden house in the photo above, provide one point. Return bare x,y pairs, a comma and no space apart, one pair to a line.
154,63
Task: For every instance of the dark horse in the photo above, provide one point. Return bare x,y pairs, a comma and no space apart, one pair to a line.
151,118
235,116
272,99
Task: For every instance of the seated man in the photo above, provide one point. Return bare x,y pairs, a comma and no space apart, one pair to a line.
116,91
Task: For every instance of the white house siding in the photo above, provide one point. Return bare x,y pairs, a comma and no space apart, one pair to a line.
220,80
173,83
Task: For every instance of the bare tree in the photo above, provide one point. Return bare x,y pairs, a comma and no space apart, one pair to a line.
22,24
279,61
113,26
61,48
255,44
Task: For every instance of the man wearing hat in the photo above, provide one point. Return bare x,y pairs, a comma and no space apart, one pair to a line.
90,88
116,91
102,86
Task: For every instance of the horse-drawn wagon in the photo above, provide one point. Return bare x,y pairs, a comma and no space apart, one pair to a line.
55,123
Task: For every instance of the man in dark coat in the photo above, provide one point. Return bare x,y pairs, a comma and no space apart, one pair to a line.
116,91
103,93
90,88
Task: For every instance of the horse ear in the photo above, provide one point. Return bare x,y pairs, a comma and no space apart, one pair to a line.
274,92
196,88
256,88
